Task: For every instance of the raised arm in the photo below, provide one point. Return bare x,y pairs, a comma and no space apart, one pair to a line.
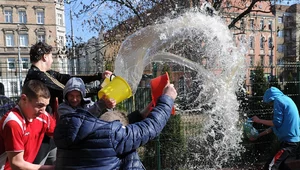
137,134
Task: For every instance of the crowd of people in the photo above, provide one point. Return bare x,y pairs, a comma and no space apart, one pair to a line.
54,125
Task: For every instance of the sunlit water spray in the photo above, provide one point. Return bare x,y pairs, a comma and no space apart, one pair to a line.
213,68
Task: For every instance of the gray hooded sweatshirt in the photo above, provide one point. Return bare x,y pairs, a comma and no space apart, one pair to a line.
75,83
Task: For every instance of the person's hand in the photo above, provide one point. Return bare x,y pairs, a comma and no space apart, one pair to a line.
255,119
170,91
109,103
55,108
106,74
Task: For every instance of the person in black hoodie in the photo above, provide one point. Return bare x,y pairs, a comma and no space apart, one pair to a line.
41,60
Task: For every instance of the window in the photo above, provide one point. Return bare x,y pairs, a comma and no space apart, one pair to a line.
60,20
11,63
181,84
270,42
261,24
280,19
262,60
252,43
23,40
242,24
252,74
251,24
251,61
22,17
8,16
61,40
9,40
14,87
270,60
280,33
280,48
262,41
40,17
41,38
288,35
25,63
243,38
270,25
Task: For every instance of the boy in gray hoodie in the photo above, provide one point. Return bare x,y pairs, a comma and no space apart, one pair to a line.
74,98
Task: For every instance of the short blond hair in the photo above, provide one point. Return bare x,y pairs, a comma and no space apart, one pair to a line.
115,115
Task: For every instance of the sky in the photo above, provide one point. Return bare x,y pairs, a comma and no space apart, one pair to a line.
78,29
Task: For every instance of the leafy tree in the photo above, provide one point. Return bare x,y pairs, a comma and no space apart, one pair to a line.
259,86
274,82
166,68
172,147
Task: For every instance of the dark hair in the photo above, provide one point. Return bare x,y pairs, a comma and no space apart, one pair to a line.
38,50
34,89
115,115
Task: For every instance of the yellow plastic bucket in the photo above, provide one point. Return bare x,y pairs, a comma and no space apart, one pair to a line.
117,89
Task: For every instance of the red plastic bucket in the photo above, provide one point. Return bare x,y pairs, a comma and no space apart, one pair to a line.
157,86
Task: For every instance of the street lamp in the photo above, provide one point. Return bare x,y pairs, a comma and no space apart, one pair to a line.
19,59
271,54
74,71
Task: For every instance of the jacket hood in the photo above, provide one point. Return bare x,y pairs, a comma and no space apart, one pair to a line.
271,94
74,83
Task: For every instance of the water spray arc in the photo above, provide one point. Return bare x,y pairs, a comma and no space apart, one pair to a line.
186,41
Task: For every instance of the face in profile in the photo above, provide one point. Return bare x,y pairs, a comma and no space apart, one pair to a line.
49,60
32,108
74,98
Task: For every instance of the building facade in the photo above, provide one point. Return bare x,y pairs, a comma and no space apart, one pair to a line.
257,34
22,24
288,45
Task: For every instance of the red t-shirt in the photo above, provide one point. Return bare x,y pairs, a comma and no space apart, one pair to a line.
17,134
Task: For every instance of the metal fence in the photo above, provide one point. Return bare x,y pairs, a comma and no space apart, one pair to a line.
171,149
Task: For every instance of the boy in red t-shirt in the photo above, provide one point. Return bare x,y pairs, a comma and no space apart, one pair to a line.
22,129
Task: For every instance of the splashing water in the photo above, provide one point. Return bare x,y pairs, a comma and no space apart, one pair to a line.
202,48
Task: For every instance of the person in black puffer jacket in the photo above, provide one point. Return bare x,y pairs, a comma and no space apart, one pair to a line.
85,142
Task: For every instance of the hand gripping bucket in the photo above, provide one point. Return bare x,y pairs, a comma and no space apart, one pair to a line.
117,89
157,86
107,80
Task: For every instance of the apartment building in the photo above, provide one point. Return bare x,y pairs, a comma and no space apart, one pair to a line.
272,40
22,24
256,32
288,51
